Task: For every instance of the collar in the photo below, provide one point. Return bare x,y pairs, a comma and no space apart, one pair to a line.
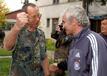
81,33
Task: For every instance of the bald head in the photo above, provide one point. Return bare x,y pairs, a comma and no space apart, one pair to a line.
27,6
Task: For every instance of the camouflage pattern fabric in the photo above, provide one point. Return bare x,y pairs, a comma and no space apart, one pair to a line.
28,54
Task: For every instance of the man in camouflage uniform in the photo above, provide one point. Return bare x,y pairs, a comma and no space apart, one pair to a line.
29,55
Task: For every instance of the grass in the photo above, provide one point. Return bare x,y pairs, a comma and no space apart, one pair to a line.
4,66
4,52
6,62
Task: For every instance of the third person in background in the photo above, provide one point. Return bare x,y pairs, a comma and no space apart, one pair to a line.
104,28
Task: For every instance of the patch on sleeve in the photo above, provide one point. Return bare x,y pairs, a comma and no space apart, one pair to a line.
77,61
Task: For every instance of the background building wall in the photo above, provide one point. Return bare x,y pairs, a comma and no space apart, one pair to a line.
51,11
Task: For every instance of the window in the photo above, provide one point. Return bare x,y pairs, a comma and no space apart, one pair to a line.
54,24
103,2
55,1
99,0
48,22
73,0
95,25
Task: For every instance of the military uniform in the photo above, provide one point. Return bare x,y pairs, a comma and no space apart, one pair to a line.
28,54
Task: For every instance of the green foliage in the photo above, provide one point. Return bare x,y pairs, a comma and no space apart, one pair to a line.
4,66
6,25
4,52
51,61
3,11
50,44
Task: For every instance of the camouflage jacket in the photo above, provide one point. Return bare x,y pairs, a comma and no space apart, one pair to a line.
28,54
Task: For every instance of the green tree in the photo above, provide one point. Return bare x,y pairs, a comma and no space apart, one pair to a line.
3,11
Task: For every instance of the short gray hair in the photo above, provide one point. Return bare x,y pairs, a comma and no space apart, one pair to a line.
79,13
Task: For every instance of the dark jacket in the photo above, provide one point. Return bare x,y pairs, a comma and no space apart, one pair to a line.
104,36
87,55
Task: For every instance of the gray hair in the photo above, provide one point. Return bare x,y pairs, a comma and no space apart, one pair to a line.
79,13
